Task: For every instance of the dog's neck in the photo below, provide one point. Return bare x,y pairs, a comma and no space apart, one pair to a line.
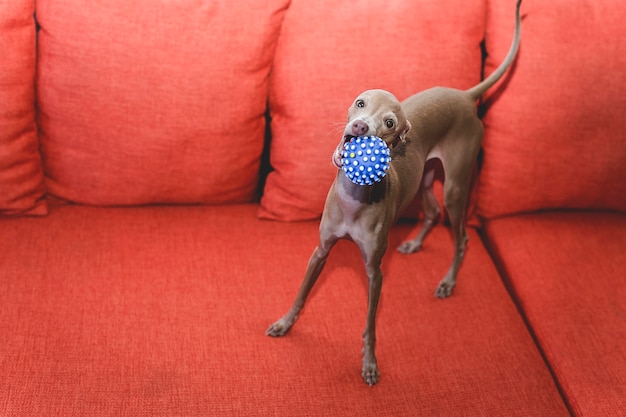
395,142
361,194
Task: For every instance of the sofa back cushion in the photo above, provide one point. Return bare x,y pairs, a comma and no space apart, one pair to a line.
556,136
329,51
154,101
21,176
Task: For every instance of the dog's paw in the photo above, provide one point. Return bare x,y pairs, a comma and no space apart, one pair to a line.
409,246
280,328
370,374
444,289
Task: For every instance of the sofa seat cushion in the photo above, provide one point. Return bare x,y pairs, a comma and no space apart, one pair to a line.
567,272
21,175
329,52
162,311
154,100
554,134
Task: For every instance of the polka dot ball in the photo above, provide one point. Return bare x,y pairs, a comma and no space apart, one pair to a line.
365,160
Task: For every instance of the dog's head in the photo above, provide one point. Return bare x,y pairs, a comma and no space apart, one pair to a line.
374,113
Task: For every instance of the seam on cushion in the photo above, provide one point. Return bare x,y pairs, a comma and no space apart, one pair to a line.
265,167
505,278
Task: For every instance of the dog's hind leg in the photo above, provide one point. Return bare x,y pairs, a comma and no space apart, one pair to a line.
455,204
456,190
431,210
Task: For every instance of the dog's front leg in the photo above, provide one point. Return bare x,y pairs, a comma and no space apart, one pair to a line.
370,367
313,271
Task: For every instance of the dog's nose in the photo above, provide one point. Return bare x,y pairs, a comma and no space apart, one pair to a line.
359,128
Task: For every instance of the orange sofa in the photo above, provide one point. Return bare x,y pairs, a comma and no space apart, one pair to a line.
163,165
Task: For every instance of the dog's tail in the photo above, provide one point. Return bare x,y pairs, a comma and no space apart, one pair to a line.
478,90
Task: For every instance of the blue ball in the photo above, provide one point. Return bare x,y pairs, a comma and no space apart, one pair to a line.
365,160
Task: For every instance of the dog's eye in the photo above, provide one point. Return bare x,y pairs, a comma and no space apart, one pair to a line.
360,103
389,123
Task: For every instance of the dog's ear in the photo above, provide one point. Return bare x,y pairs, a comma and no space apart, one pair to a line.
406,130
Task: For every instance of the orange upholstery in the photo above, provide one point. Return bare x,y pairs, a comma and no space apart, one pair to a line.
343,49
146,104
161,310
567,274
106,322
555,137
21,176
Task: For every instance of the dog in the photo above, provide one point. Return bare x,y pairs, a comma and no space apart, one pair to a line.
436,123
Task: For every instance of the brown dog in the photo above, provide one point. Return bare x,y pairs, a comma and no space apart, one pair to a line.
436,123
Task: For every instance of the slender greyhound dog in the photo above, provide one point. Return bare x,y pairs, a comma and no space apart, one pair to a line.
436,123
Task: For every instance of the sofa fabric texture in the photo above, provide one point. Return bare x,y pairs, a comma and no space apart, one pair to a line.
105,322
570,284
559,121
21,176
163,166
162,106
332,62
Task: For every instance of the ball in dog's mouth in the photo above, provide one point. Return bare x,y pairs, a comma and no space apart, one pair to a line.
365,159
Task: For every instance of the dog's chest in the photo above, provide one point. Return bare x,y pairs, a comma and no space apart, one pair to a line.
351,209
358,216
